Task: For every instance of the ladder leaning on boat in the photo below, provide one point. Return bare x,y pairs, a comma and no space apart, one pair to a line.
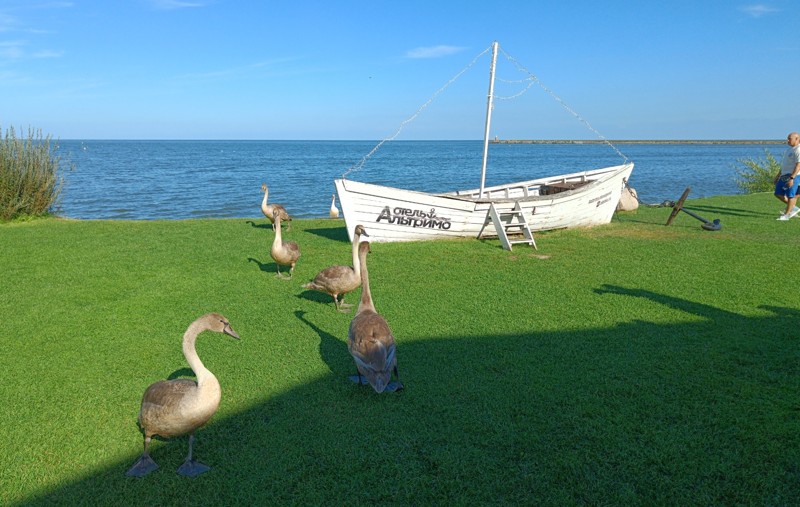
512,221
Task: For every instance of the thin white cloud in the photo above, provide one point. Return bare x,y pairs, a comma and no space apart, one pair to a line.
49,5
12,78
168,5
7,22
12,49
433,52
758,10
47,53
16,50
52,5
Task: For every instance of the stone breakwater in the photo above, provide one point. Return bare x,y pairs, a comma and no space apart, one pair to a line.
634,141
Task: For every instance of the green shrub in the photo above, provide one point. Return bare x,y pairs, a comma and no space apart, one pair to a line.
30,184
757,175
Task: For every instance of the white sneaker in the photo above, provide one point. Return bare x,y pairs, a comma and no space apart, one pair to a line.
784,217
794,212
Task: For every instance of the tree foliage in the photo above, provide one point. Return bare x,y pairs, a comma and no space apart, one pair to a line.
757,175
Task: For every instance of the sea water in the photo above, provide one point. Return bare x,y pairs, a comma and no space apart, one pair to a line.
192,179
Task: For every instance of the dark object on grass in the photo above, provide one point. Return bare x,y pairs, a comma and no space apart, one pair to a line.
678,207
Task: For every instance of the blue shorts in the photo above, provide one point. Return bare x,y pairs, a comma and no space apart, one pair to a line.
783,188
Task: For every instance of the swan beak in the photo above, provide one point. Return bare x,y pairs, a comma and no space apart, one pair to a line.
379,387
378,380
379,383
230,332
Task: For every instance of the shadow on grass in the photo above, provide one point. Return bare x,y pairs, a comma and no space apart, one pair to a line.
266,267
181,373
698,309
728,211
697,412
266,225
318,297
494,242
332,350
333,233
706,211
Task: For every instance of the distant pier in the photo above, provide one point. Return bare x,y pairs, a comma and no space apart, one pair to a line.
633,141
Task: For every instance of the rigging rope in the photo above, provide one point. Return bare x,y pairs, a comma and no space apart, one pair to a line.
531,79
411,118
558,99
518,94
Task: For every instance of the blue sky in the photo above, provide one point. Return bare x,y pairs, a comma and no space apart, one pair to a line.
224,69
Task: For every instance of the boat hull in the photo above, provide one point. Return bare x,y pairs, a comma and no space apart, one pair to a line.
581,199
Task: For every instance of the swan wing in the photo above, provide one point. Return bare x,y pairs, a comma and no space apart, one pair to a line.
292,248
162,407
372,345
168,392
340,278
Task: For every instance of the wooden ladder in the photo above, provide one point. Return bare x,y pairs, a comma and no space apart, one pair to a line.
509,221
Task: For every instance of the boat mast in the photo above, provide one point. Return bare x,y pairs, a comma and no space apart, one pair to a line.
489,105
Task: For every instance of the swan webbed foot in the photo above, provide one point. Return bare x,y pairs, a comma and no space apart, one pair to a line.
284,276
344,307
359,379
191,468
397,385
143,466
393,387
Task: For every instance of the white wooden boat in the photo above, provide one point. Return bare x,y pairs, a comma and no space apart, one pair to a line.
578,199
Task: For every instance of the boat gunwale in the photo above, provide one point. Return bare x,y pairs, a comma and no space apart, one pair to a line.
606,173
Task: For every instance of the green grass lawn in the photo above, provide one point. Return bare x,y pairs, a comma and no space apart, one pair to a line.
631,363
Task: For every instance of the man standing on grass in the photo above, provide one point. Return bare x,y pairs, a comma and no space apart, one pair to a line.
788,178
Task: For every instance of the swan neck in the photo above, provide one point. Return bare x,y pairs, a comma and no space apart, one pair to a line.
356,262
190,352
278,238
366,294
264,207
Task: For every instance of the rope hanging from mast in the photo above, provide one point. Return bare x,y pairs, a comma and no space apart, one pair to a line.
411,118
534,79
530,79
